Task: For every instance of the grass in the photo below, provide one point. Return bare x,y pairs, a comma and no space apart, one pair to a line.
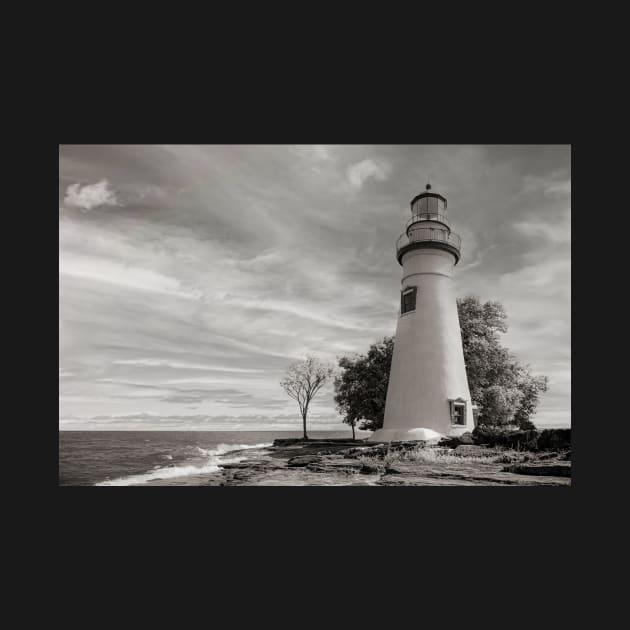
437,455
442,456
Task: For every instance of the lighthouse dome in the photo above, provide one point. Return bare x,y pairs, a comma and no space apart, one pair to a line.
428,202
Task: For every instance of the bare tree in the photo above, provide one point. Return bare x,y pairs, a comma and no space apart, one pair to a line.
303,380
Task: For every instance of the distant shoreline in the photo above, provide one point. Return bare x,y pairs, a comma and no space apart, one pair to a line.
358,433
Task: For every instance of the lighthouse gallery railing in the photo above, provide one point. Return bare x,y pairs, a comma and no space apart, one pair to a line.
416,217
428,234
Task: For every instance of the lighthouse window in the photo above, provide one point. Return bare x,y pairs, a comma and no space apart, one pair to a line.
408,300
458,412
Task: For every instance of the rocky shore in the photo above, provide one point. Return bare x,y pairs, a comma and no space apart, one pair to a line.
338,462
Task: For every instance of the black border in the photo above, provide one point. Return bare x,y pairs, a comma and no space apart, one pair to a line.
295,527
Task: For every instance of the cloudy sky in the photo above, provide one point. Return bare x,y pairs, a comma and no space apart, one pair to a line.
190,276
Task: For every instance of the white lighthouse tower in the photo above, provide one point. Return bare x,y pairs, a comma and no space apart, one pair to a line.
428,387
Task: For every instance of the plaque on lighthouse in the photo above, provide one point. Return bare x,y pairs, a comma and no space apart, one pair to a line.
428,390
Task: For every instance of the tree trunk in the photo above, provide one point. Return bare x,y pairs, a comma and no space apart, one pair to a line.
304,424
353,431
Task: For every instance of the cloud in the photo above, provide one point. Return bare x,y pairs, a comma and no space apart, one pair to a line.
561,189
308,312
552,185
544,277
262,262
314,152
90,196
358,173
179,365
112,272
553,231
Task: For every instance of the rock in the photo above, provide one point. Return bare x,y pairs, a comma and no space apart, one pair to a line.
311,448
558,469
409,445
329,465
288,441
254,464
552,455
461,474
344,462
377,451
371,469
353,452
303,460
491,479
237,465
458,440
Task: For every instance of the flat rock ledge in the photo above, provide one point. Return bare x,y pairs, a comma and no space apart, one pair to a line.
340,462
542,469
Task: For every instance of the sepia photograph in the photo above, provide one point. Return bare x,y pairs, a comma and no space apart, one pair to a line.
315,315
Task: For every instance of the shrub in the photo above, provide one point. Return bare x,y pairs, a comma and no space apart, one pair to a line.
490,435
554,439
527,425
504,436
531,439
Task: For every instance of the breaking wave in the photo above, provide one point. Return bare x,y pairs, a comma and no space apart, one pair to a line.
207,461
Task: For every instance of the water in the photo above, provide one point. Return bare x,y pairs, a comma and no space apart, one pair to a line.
125,458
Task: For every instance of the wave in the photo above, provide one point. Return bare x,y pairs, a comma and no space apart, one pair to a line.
214,456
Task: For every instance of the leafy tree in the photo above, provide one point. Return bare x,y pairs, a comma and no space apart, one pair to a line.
504,389
302,382
361,388
531,388
500,403
484,357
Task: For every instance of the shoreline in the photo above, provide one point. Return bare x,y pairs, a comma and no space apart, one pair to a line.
344,462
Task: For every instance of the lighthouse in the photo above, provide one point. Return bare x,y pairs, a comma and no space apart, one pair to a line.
428,386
